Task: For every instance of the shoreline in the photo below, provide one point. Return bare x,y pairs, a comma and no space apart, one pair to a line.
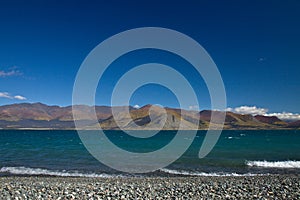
245,187
74,129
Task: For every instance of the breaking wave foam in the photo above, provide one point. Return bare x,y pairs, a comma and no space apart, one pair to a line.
39,171
275,164
186,173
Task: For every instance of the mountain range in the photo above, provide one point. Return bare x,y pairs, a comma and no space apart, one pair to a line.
41,116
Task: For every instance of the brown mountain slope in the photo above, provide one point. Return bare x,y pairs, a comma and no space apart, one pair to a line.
148,118
38,115
295,124
270,120
239,121
39,111
16,112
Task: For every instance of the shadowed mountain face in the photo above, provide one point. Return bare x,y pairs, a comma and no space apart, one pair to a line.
295,124
270,120
149,117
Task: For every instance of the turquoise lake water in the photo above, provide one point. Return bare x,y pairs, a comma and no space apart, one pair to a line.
61,153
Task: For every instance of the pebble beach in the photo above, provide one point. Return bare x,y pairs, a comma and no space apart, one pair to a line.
248,187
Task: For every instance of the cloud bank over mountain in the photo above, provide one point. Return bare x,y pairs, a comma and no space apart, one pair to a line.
254,110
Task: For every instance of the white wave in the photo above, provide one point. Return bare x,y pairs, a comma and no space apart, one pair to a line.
275,164
186,173
39,171
230,138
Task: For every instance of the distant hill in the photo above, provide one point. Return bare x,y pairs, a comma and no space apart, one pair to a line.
295,124
41,116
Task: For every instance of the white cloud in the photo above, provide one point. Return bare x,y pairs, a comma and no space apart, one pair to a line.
194,107
5,95
229,109
136,106
10,73
286,116
262,59
19,97
253,110
8,96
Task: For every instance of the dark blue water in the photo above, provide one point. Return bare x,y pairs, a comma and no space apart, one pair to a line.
62,153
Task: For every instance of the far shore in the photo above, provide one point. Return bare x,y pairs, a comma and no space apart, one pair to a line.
73,129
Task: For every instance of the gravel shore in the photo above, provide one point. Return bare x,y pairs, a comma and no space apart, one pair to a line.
256,187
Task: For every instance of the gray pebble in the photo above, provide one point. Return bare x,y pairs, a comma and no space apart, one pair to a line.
257,187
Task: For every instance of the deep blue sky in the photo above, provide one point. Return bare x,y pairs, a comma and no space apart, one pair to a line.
255,44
